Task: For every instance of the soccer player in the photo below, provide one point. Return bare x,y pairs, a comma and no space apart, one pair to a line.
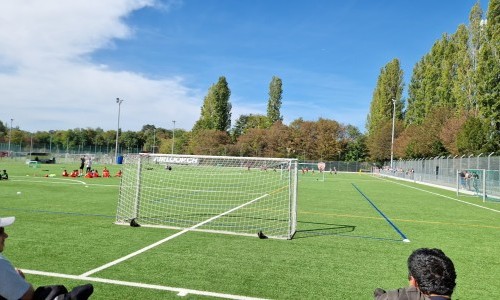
89,164
65,173
431,276
4,175
82,165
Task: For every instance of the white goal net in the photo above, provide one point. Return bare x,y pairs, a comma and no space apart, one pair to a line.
234,195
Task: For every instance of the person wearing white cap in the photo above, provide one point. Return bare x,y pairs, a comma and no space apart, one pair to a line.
12,282
14,286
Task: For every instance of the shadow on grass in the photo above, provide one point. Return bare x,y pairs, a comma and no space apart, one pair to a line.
311,229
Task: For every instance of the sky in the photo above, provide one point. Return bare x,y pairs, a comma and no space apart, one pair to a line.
63,64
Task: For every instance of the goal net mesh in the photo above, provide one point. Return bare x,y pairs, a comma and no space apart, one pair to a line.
231,195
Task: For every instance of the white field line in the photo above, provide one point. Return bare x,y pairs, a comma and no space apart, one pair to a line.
117,261
440,195
65,181
179,291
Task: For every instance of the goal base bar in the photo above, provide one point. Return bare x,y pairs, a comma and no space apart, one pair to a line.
206,230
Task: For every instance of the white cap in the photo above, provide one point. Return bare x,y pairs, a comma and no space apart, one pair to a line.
7,221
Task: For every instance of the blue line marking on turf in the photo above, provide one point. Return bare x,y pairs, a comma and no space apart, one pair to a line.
381,213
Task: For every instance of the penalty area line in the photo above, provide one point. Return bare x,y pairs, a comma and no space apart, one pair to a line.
179,291
117,261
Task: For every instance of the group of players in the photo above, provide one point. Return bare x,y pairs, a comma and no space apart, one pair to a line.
92,173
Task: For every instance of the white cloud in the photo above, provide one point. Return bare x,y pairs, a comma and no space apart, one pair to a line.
48,82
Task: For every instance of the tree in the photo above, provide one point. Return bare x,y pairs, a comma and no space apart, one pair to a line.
278,141
252,143
462,89
246,122
472,136
389,88
356,149
450,130
216,109
379,142
488,75
274,102
476,39
209,142
304,138
3,131
329,139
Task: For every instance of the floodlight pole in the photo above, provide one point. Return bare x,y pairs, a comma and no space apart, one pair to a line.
393,121
154,139
50,143
31,144
10,134
173,137
119,101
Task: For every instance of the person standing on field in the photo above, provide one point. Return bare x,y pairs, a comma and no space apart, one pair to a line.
82,165
89,164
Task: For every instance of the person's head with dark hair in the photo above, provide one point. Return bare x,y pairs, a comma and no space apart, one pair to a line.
432,272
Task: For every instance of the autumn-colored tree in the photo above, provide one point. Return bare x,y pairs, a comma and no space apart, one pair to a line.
330,139
450,130
209,142
278,141
252,143
304,138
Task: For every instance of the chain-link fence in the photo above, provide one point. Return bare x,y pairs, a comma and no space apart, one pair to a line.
443,171
341,166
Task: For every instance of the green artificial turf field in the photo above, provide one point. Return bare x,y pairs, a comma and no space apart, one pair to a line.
349,241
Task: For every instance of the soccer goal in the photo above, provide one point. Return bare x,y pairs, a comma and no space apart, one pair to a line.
233,195
313,171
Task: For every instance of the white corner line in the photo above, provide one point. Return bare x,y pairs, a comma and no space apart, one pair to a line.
179,291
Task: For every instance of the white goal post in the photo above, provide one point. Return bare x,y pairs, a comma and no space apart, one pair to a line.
223,194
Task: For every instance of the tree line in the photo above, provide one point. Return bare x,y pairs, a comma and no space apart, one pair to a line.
453,103
212,134
452,107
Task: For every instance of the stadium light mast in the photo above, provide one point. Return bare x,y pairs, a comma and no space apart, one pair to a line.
173,137
154,139
10,134
119,101
50,143
393,121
